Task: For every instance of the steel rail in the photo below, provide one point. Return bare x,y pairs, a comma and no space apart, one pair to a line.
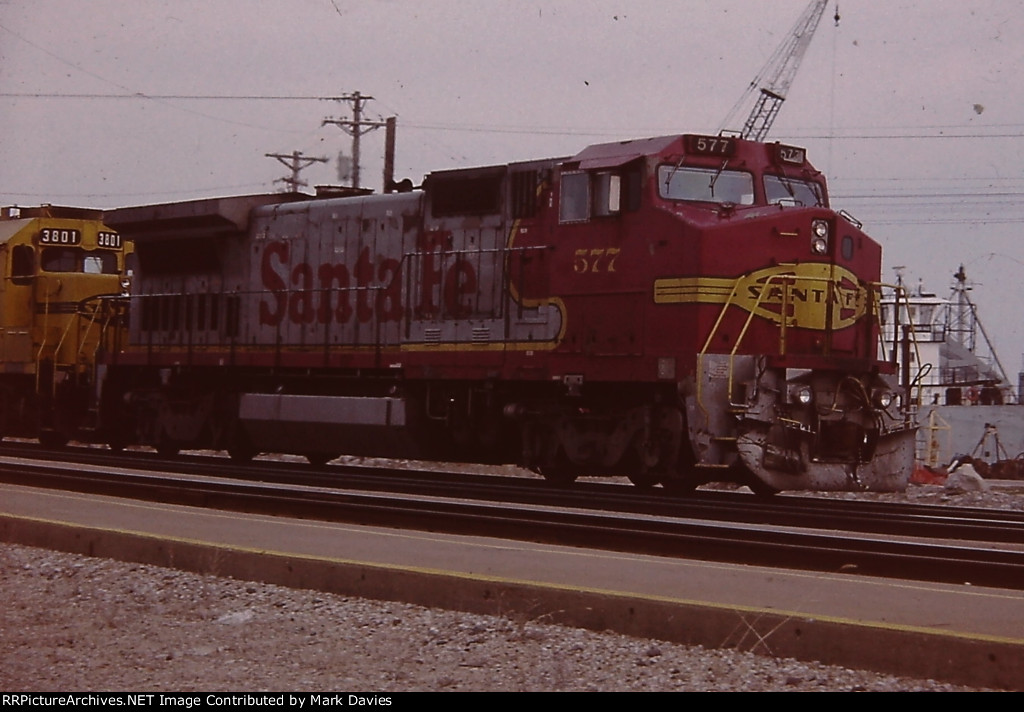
893,519
746,543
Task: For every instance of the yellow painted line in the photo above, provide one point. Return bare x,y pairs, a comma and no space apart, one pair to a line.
482,578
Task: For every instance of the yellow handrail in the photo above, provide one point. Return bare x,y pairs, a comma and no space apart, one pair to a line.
42,342
786,280
56,353
88,329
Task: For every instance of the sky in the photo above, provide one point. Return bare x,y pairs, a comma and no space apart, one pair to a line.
914,110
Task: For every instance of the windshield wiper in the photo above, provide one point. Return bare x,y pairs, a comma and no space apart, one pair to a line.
714,178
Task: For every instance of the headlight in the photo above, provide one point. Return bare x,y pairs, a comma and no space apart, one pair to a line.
882,398
803,395
819,236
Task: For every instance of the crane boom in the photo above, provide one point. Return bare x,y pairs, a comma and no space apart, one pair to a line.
777,75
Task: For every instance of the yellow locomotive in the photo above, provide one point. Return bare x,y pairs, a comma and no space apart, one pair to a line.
63,274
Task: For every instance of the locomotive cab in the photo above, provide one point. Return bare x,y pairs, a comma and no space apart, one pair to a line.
60,265
760,291
786,391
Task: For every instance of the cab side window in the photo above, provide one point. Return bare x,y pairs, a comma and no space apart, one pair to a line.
607,194
23,264
574,200
584,195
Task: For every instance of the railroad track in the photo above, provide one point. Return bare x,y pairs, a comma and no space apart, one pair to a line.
945,522
947,544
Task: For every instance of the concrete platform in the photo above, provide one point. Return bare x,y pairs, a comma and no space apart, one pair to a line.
965,634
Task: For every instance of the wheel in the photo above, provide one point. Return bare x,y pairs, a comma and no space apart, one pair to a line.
760,488
167,447
6,409
52,438
241,449
641,462
558,470
241,453
679,483
559,477
644,480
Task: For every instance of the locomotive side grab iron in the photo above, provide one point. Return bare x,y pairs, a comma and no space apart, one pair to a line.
675,309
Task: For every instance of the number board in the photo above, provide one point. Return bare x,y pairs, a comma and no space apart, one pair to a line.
791,154
58,236
108,239
710,145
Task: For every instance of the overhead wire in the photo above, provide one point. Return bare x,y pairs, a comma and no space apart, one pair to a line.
831,134
934,132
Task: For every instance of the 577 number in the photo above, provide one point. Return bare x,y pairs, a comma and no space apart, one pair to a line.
591,261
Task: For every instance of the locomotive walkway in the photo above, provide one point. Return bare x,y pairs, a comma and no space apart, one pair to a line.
960,633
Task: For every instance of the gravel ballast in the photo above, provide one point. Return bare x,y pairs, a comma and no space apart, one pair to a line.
75,623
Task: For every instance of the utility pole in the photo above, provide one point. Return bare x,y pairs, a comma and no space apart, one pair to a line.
355,127
389,154
296,162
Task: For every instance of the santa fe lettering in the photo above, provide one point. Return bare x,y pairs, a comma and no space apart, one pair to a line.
327,293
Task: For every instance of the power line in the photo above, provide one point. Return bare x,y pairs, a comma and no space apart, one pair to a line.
483,128
903,196
951,221
534,130
145,194
174,97
863,137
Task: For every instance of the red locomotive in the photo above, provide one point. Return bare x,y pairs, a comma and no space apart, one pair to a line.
675,309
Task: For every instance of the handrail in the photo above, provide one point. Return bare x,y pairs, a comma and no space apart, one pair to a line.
56,353
42,342
88,329
73,322
787,281
711,335
900,291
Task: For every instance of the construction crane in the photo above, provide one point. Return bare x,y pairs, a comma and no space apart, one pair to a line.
776,76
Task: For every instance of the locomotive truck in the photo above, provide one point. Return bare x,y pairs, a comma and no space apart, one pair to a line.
676,309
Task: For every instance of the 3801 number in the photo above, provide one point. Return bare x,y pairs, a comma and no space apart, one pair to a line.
108,239
55,236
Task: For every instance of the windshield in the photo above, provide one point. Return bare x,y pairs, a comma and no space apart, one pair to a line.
75,259
793,192
705,184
